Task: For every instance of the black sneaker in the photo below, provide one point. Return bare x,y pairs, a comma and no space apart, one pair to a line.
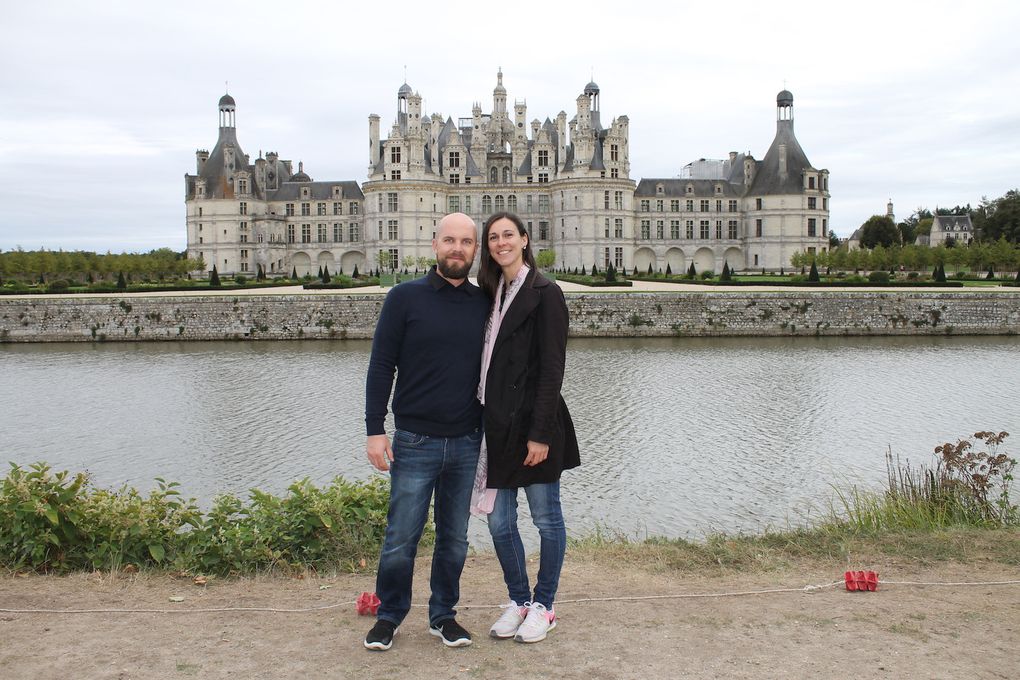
451,632
381,636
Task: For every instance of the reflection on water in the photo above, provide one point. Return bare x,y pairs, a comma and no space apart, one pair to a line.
679,437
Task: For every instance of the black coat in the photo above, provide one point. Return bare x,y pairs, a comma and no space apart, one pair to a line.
522,389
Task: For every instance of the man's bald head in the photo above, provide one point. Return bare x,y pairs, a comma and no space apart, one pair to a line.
455,245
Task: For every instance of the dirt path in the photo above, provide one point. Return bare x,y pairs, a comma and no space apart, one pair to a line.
900,631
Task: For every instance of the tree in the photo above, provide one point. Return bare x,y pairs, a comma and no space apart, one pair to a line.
582,270
650,270
725,272
355,273
214,280
610,273
594,270
813,275
293,273
879,229
325,273
545,258
833,240
122,282
940,273
669,272
999,218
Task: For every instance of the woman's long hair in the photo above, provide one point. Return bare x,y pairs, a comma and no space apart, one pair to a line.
488,271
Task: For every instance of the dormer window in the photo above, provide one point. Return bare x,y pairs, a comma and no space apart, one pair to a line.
305,193
690,189
659,189
338,192
718,188
242,186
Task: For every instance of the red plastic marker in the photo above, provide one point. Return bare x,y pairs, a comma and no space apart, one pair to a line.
368,603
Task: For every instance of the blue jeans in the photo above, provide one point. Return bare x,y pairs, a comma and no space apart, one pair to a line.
544,503
423,465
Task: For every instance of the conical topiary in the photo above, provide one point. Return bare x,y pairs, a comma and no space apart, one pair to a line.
214,280
325,274
813,275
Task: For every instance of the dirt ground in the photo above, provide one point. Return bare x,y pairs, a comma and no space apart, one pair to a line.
900,631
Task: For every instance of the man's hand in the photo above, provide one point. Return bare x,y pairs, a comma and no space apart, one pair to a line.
380,453
537,452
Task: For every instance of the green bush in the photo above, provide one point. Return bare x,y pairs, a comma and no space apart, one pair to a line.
240,279
707,274
878,277
59,286
55,522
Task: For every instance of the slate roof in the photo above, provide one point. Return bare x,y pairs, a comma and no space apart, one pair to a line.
677,188
768,179
319,191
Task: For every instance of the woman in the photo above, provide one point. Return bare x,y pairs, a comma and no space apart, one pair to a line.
529,436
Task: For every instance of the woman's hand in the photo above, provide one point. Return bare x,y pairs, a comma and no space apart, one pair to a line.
537,452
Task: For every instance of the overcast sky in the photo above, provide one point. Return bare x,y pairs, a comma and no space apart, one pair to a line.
103,104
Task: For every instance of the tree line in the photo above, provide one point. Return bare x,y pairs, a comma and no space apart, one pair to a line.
82,266
1001,256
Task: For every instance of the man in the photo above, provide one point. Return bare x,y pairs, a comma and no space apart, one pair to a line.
430,332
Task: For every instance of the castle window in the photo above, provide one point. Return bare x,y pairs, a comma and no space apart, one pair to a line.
690,228
690,205
306,209
353,232
618,227
659,229
618,200
455,178
718,206
322,233
543,231
810,182
506,175
718,188
718,229
606,201
703,229
732,226
614,173
658,189
543,158
338,232
455,159
511,203
659,205
290,233
812,229
453,204
690,189
618,257
467,204
289,211
674,229
543,178
242,208
812,203
304,192
353,208
645,229
705,205
338,208
757,227
614,152
645,205
486,204
242,186
320,209
493,175
674,205
391,201
394,175
395,154
200,211
733,206
391,230
337,193
543,203
499,204
306,233
607,227
758,204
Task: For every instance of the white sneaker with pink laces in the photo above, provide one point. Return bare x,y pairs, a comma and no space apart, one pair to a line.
507,624
537,623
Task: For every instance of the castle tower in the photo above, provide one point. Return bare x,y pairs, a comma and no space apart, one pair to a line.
227,108
402,95
498,97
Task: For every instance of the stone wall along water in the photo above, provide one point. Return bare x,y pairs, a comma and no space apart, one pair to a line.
287,317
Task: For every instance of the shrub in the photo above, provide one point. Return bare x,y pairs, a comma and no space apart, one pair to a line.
59,286
53,522
240,279
707,274
912,275
878,277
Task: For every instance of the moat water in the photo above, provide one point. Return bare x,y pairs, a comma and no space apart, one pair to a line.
679,437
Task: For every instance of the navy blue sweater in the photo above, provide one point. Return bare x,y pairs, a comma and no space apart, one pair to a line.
430,333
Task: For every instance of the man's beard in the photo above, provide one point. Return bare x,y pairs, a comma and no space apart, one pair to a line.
453,269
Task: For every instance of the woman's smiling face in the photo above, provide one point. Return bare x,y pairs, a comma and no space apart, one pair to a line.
506,244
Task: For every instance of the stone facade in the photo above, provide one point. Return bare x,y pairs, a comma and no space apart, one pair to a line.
333,316
569,181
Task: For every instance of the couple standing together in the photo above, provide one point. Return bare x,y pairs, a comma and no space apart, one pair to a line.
456,347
